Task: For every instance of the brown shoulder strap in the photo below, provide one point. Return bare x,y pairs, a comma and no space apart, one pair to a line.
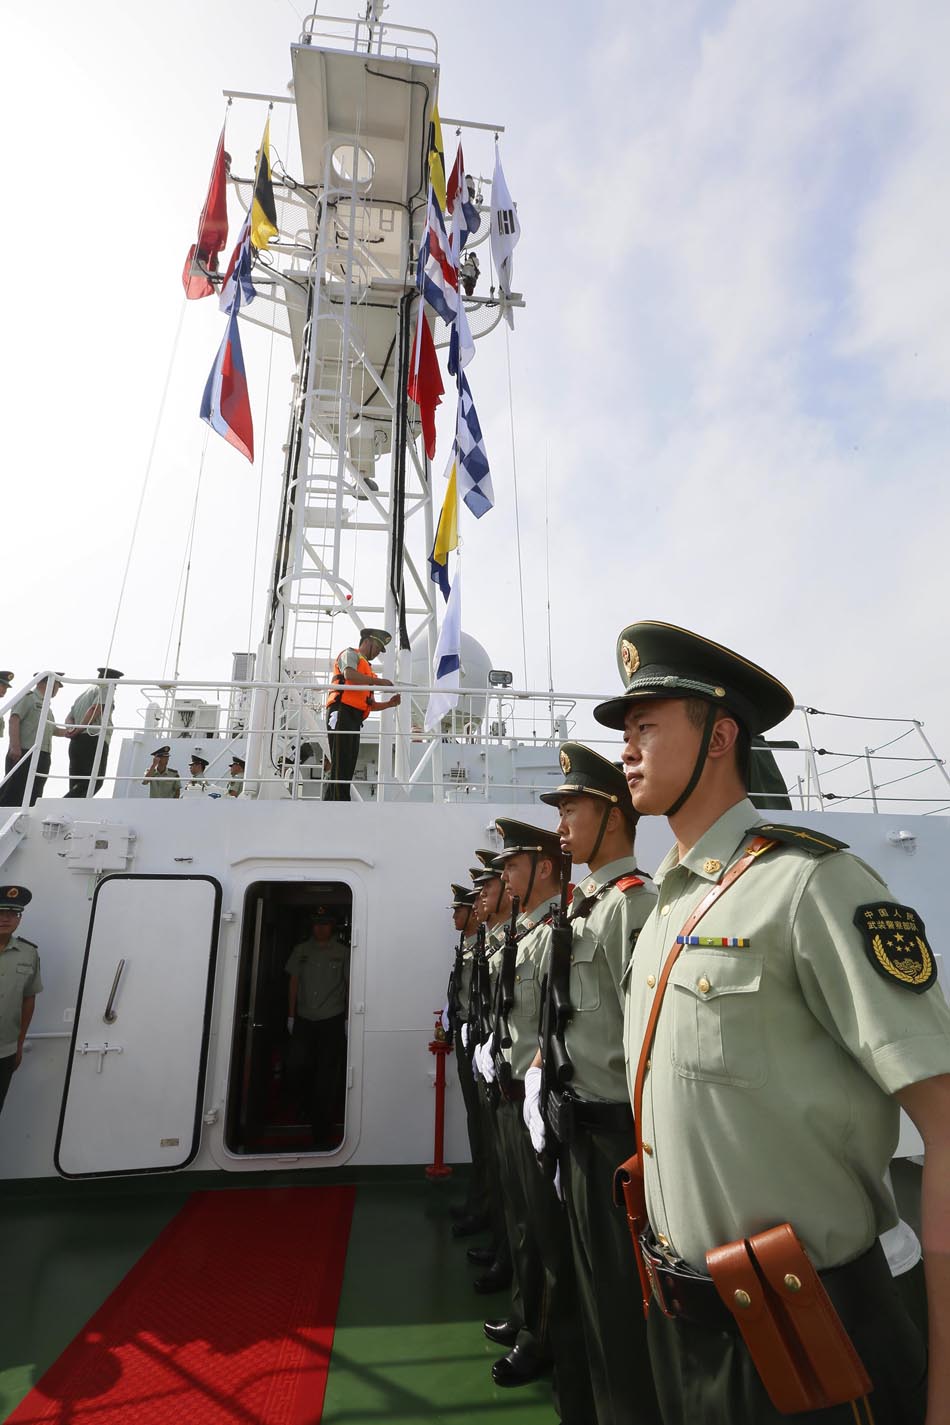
756,848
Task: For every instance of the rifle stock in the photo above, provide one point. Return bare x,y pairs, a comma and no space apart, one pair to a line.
556,1067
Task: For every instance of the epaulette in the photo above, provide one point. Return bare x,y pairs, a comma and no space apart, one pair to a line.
628,883
800,836
23,941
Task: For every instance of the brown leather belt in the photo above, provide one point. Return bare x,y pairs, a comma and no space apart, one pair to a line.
685,1295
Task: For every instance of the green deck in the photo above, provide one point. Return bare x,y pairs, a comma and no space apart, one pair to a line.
409,1345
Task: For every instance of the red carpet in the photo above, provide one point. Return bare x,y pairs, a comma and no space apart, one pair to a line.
228,1317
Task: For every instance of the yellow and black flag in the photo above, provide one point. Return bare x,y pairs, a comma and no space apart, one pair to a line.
437,158
263,208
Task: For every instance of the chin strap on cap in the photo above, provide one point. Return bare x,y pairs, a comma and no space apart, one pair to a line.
608,808
700,762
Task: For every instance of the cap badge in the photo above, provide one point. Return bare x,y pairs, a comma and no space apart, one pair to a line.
13,892
719,692
565,762
712,867
629,656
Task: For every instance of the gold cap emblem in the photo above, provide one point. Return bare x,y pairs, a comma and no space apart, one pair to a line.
629,656
13,892
712,867
565,762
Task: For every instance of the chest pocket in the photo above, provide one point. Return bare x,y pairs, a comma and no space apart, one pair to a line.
585,973
717,1029
527,1001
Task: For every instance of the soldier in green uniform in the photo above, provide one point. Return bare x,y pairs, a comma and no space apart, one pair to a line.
83,722
162,781
6,679
319,971
25,731
20,983
591,1116
537,1223
796,1020
197,784
236,784
457,1009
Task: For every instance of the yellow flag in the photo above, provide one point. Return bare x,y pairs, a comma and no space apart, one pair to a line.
447,534
263,208
437,158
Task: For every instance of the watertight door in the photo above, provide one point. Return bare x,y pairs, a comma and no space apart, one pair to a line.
135,1080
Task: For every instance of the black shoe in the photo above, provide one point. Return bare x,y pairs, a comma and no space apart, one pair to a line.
517,1368
503,1333
495,1279
469,1226
481,1256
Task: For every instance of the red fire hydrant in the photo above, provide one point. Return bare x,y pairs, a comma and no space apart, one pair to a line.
440,1047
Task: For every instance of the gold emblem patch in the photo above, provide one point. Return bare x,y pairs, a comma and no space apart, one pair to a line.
712,867
629,657
565,762
896,944
13,892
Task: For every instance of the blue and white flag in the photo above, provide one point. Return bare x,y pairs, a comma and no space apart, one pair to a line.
237,279
474,476
448,658
461,342
459,193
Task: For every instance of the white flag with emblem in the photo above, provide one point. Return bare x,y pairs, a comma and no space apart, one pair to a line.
505,230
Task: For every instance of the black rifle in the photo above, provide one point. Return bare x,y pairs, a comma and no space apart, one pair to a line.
452,993
504,1000
556,1067
478,993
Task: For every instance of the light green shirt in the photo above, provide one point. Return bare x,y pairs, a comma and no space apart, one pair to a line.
28,709
770,1093
603,942
163,784
322,969
531,964
19,979
85,701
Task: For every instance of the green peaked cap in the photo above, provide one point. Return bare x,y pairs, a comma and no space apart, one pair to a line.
587,772
520,836
659,660
462,896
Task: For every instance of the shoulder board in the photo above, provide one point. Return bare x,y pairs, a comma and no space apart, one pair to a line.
23,941
814,842
628,883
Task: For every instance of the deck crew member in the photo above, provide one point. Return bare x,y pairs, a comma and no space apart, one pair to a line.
83,722
591,1115
197,784
801,1013
537,1226
348,708
319,971
162,780
236,784
6,679
20,982
24,732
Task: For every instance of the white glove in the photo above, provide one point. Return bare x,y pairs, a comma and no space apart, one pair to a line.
464,1036
533,1118
484,1060
290,1024
445,1019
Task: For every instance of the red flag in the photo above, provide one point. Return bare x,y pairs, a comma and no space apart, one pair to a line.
212,229
425,381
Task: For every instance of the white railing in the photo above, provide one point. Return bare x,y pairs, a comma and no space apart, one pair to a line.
500,744
371,37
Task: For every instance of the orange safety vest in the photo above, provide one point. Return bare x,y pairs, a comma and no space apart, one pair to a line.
352,697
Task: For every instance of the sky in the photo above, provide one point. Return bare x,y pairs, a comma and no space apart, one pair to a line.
729,384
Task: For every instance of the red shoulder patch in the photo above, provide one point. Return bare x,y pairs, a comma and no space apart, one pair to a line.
628,883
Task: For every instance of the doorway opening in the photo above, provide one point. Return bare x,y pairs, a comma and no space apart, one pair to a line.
289,1056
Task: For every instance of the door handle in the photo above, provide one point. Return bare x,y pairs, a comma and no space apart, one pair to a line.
111,1015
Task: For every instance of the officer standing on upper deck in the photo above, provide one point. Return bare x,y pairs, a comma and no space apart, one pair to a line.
82,728
349,707
591,1115
162,781
20,983
236,784
769,1060
25,731
6,679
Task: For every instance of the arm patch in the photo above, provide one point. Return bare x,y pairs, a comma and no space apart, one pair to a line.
895,942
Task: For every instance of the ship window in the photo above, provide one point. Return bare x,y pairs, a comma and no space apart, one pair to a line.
354,165
287,1090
